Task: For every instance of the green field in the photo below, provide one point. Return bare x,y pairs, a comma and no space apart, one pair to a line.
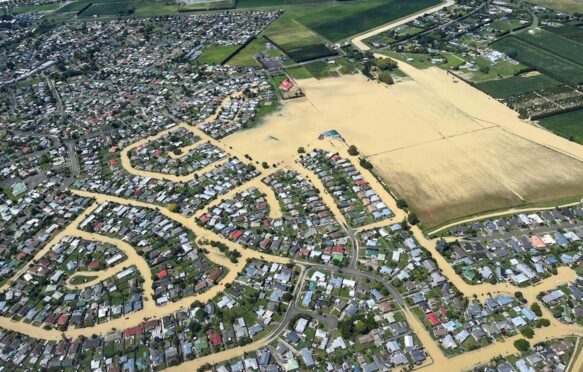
35,8
259,3
424,60
557,61
511,86
322,69
215,54
109,8
570,32
569,6
345,19
145,8
561,46
74,6
568,125
246,57
297,41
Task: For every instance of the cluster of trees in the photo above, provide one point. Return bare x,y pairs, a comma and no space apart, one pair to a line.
357,325
233,255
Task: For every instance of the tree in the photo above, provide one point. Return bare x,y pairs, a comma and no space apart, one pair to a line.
535,307
386,78
301,150
527,332
172,207
412,218
401,204
522,345
365,164
384,64
543,322
265,165
352,150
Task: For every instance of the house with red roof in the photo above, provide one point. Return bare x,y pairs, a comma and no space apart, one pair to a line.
214,337
234,235
286,85
162,274
136,331
433,319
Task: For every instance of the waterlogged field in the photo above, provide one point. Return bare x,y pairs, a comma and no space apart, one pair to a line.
445,147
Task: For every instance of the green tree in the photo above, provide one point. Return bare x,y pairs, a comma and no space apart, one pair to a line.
535,307
352,150
386,78
385,64
412,218
527,332
522,345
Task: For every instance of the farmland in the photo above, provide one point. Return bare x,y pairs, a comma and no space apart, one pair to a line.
568,31
442,150
137,8
568,125
552,55
569,6
341,21
511,86
297,41
109,8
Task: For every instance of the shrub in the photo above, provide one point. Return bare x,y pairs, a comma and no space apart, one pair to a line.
386,78
527,332
522,345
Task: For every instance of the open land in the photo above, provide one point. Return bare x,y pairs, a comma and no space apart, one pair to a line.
431,162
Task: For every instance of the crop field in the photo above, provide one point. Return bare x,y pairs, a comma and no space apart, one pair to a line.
309,52
343,20
569,6
276,3
568,125
555,56
515,85
297,41
109,8
570,32
74,6
35,8
561,46
546,102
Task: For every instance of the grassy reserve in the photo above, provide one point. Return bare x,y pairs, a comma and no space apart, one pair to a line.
246,57
215,54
